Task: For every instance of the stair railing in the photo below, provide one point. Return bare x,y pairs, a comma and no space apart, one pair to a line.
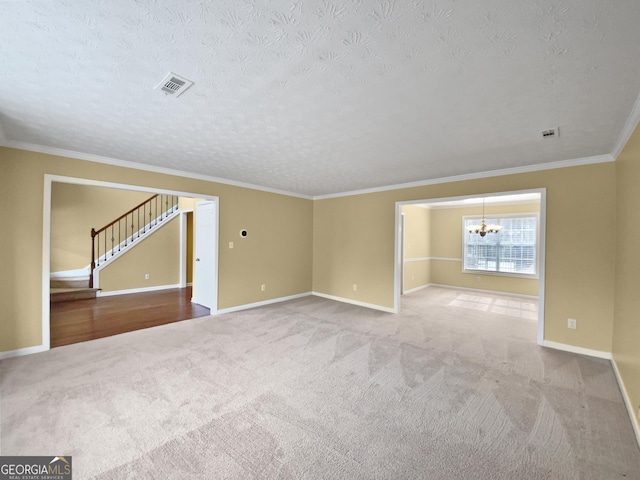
124,230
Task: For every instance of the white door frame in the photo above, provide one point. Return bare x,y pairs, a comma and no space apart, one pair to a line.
403,232
46,239
541,251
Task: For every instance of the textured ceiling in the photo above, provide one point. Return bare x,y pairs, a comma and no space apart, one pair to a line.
319,97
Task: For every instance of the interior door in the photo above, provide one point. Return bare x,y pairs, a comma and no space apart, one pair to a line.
205,288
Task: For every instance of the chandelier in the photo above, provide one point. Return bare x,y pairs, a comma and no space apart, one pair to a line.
483,228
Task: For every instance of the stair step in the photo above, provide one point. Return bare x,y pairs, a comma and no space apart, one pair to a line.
66,294
69,283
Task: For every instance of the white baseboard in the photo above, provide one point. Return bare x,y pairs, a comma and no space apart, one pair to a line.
478,290
573,349
627,401
356,302
261,304
138,290
23,351
415,289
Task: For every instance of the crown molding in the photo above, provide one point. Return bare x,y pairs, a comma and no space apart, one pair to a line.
629,127
474,176
421,183
31,147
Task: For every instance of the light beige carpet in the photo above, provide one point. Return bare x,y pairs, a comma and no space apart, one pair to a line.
454,387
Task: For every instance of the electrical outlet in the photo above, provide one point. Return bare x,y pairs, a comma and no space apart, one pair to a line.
571,323
478,279
230,244
146,276
355,287
263,287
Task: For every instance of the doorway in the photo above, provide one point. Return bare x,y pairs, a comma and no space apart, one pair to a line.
46,267
441,257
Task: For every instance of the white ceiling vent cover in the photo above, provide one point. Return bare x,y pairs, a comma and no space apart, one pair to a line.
174,85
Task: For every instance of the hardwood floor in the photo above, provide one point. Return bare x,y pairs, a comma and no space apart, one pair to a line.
82,320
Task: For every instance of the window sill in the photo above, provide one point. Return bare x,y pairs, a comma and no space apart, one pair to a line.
529,276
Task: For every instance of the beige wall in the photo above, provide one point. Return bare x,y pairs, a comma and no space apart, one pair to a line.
417,246
433,250
626,326
446,241
278,251
75,210
157,254
354,243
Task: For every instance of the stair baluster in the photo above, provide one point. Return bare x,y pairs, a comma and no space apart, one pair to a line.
151,205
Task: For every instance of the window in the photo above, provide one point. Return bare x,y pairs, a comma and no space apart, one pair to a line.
512,251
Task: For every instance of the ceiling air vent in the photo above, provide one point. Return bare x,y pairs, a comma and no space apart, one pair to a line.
550,133
174,85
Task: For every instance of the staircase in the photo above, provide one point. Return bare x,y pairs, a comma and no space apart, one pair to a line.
117,236
110,241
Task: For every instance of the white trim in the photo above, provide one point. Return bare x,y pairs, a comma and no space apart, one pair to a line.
576,162
448,206
126,186
46,265
627,401
398,260
31,147
422,201
628,129
183,249
78,274
479,290
23,351
542,249
415,289
580,350
261,304
355,302
403,240
137,290
129,247
423,259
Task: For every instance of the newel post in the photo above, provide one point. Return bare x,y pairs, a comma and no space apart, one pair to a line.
93,257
